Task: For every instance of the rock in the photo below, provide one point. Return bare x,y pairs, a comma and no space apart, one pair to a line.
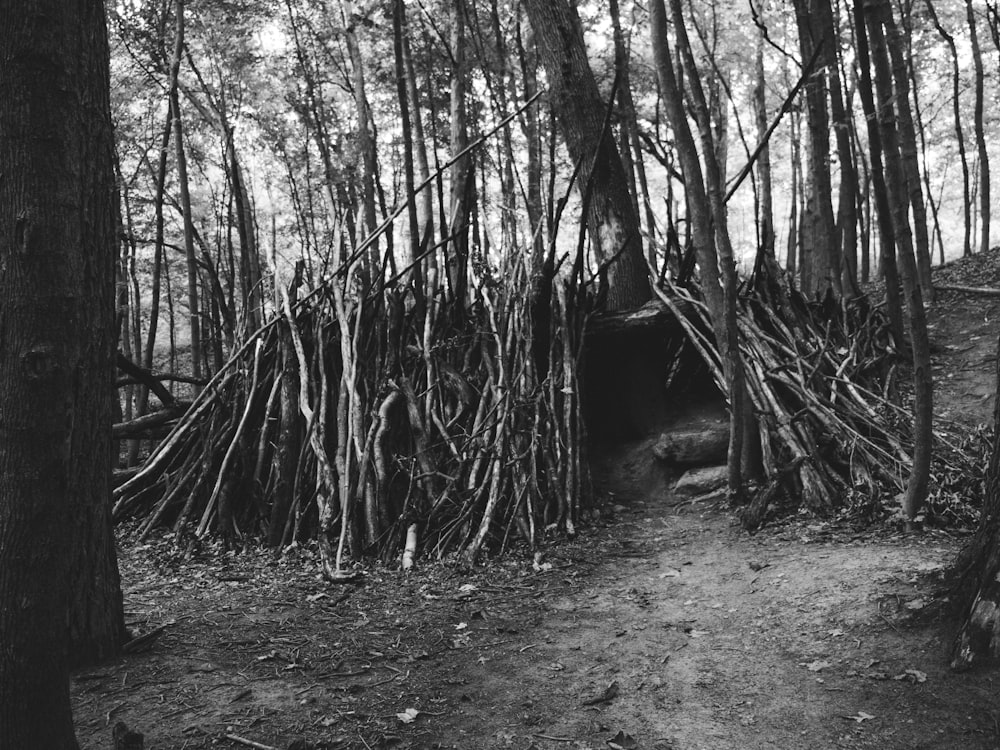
694,446
702,480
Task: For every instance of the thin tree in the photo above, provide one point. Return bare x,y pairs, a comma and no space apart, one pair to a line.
980,130
194,309
463,171
879,19
908,152
956,108
726,270
887,238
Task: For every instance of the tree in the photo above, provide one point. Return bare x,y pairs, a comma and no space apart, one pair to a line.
977,591
611,216
57,250
891,100
980,130
820,260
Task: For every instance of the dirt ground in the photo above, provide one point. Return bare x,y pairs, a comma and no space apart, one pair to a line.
662,625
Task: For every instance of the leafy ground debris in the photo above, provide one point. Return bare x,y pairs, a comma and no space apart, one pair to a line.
661,626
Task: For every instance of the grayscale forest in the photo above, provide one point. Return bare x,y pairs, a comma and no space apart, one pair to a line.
499,374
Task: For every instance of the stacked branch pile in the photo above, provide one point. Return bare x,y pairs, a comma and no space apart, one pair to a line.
831,429
383,424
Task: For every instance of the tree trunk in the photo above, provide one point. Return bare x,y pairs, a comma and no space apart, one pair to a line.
611,219
887,237
896,187
425,210
843,258
532,136
819,262
981,145
740,421
765,211
185,201
795,166
908,152
366,141
398,15
57,249
462,173
956,107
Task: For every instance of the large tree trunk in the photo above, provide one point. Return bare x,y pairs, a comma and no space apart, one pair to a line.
819,254
611,217
57,249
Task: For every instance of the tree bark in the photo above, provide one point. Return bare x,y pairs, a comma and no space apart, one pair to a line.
611,218
57,249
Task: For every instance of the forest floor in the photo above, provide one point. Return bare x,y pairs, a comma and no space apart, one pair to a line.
661,626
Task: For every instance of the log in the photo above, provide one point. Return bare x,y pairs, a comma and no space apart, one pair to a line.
982,291
702,480
145,377
147,426
694,446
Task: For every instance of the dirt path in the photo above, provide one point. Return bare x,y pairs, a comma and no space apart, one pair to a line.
687,634
713,639
661,626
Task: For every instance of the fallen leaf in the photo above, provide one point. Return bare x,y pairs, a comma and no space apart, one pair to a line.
669,573
913,675
622,741
859,717
408,716
915,604
818,666
608,694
